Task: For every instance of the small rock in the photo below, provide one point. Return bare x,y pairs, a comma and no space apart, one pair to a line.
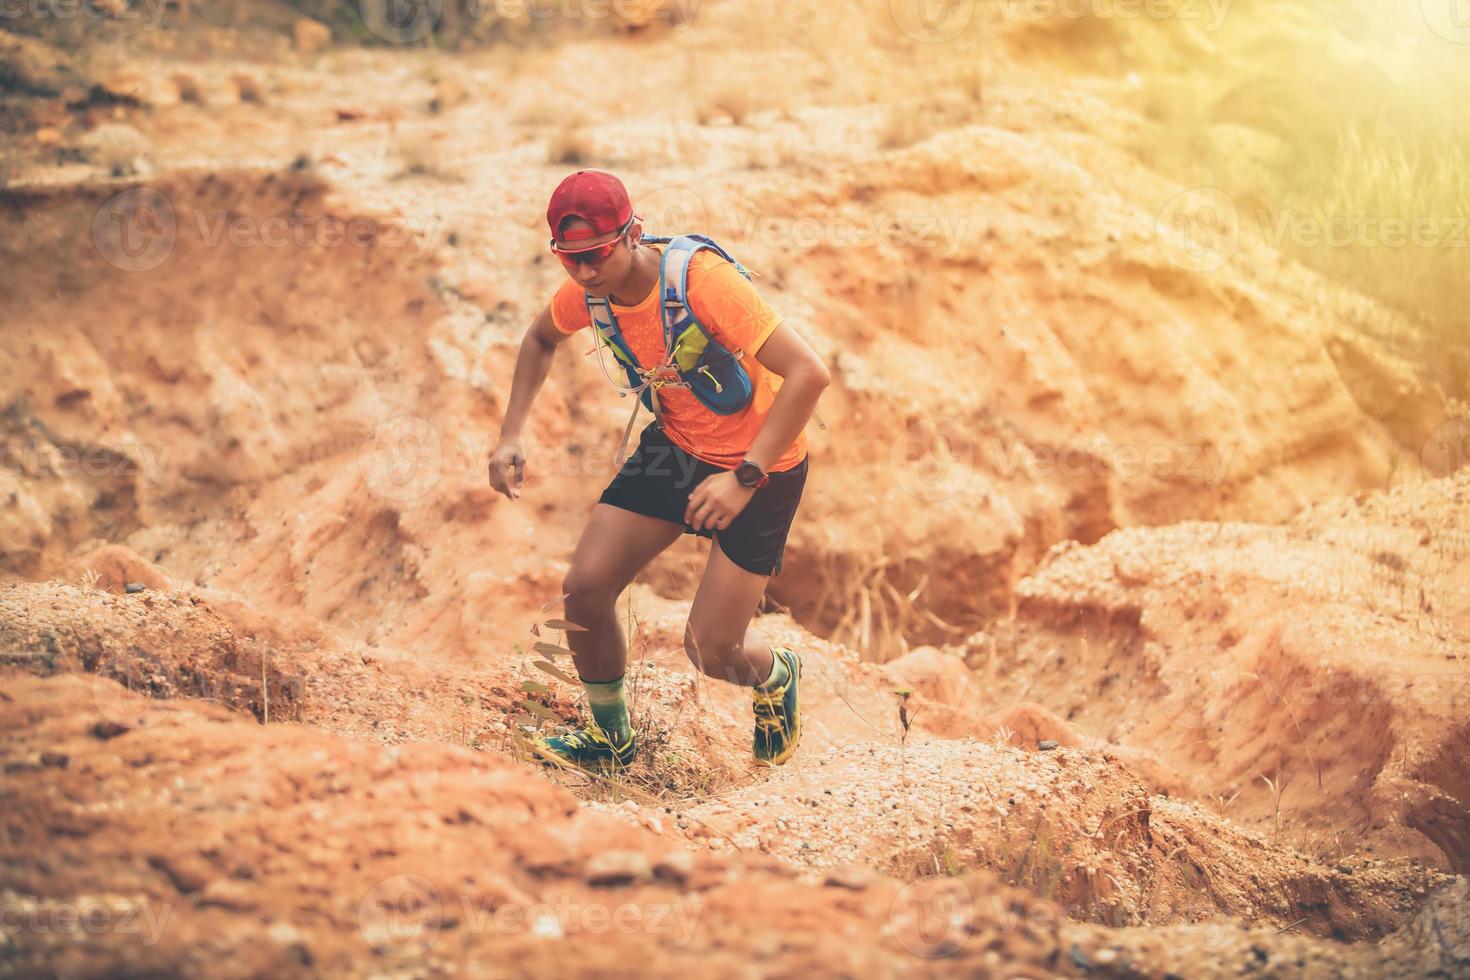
116,148
106,730
48,136
1047,744
55,760
1079,958
227,894
283,933
676,866
188,873
850,877
619,868
133,588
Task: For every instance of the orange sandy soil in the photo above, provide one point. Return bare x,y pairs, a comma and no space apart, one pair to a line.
300,749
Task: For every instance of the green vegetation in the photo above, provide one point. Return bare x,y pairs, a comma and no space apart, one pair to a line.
1341,131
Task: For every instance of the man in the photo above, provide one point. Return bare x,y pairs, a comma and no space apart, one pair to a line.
736,478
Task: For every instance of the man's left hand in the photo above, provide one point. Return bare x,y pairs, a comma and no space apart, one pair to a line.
717,501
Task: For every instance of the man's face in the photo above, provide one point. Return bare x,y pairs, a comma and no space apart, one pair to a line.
598,270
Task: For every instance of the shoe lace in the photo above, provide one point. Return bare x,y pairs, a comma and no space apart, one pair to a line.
586,737
770,709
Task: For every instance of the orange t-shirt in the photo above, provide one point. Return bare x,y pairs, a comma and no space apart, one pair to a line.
734,313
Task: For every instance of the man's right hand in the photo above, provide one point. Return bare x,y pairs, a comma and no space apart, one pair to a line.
508,468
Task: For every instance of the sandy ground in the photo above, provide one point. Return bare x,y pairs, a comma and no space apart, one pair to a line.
1132,593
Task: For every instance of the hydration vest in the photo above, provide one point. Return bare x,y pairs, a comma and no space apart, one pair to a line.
693,358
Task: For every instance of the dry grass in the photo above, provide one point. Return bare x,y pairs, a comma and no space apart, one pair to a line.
667,770
1277,787
1418,175
874,615
1371,130
1039,868
936,858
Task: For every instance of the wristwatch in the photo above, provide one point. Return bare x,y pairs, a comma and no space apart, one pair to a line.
751,475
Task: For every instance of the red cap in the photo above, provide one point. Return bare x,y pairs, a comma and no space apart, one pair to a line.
595,196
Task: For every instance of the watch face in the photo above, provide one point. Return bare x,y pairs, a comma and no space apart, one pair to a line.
748,474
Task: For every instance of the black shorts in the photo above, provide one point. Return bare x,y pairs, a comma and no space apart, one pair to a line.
658,478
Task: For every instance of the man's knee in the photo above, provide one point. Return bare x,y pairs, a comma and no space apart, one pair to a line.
584,590
710,649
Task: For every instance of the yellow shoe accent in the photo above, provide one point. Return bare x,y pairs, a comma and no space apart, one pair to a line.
778,714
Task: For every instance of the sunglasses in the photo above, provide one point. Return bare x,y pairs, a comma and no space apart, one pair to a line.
595,255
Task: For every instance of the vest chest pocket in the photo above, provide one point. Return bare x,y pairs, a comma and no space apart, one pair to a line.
720,381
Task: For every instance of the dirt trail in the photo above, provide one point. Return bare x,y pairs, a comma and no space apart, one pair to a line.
1134,631
205,843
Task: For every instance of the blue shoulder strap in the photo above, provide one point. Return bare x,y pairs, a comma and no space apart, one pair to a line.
605,322
673,289
673,282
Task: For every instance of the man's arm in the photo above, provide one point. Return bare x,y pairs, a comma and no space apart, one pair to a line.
720,497
533,363
803,379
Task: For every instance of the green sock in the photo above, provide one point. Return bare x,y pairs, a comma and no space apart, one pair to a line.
609,709
780,674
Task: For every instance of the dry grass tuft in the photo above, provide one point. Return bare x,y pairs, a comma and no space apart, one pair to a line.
874,616
1356,138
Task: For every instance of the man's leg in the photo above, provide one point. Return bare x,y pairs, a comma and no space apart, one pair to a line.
718,637
615,547
721,643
